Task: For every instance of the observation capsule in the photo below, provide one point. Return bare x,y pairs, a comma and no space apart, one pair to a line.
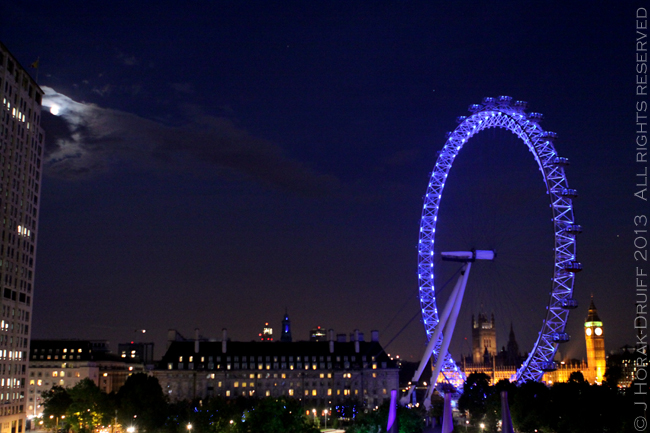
521,104
489,101
560,337
572,229
549,366
560,161
535,117
569,193
549,135
474,108
570,304
461,119
505,100
572,267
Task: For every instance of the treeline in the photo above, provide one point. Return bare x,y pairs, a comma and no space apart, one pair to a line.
571,407
140,406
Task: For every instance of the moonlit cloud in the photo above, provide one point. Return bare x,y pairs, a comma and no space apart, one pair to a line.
86,140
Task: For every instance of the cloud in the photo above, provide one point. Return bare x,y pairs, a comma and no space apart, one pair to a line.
86,140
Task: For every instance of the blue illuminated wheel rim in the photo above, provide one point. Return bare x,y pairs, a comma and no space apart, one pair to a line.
501,112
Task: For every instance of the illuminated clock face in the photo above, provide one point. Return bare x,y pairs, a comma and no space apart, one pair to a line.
598,331
588,331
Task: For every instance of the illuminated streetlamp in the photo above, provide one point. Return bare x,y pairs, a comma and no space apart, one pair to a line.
131,429
325,413
189,427
482,426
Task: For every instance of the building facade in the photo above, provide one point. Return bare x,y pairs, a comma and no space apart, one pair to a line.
318,373
21,153
67,362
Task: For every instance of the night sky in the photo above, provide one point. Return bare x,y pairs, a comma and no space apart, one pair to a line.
215,163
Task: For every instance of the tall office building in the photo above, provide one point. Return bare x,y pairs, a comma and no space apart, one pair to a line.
21,151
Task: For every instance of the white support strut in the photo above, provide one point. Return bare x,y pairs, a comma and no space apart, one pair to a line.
447,322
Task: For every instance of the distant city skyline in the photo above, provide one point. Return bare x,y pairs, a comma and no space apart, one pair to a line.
211,165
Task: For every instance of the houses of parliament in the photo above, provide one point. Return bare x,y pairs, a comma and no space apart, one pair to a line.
503,364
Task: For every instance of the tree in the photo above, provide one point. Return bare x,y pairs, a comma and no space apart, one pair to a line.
141,400
475,394
56,402
90,407
280,415
613,375
409,420
530,408
577,377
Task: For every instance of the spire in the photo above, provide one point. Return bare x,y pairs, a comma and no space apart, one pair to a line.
286,328
592,315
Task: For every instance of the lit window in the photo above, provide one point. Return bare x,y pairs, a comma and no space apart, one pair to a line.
191,359
314,392
106,374
39,383
62,374
329,392
55,373
243,384
291,392
180,359
236,384
227,393
79,350
268,393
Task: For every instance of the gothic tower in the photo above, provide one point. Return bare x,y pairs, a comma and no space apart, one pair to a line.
595,339
484,338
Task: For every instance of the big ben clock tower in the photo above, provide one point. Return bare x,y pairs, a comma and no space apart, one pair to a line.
594,336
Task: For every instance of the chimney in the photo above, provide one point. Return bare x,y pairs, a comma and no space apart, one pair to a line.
374,336
196,340
340,338
356,341
330,338
224,340
171,337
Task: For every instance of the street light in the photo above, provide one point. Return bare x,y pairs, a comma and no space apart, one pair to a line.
131,429
482,426
189,427
325,413
466,424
